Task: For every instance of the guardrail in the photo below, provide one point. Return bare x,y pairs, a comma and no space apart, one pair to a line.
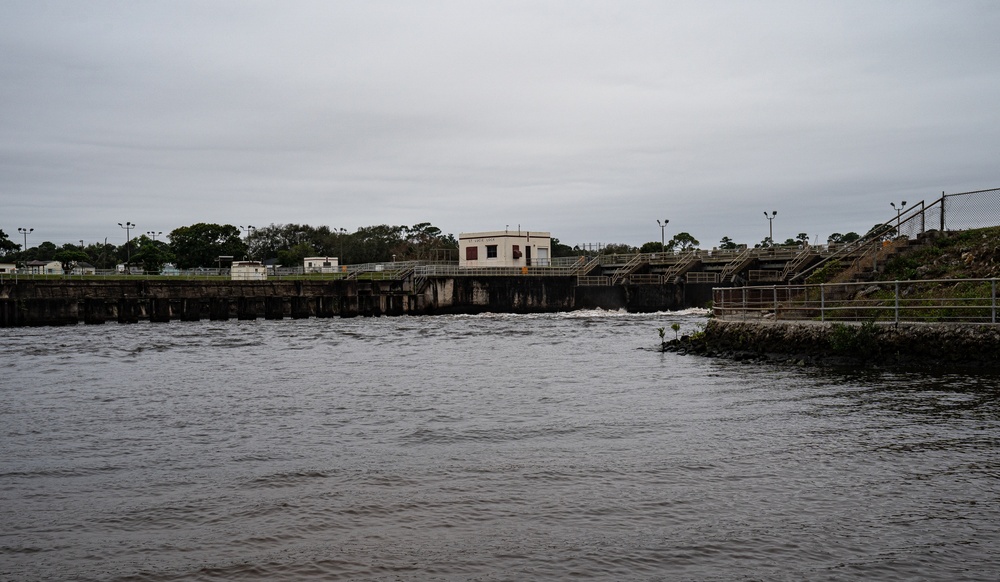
931,301
456,271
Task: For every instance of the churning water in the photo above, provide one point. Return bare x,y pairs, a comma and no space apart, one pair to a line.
495,447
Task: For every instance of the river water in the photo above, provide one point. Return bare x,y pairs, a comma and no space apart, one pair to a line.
492,447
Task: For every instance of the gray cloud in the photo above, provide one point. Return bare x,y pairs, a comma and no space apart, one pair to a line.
588,119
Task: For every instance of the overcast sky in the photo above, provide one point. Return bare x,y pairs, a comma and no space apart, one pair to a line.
587,119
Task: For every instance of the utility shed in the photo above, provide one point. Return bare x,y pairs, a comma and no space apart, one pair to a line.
248,271
504,248
320,264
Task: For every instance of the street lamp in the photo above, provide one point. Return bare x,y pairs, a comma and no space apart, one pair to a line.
248,229
25,232
128,226
153,234
770,225
899,211
663,225
342,232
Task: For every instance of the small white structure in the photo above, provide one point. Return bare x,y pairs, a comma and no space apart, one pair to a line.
248,271
7,268
320,264
83,268
504,248
44,267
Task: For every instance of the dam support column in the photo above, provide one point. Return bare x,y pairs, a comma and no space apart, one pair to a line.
159,310
128,311
300,308
95,311
246,308
218,309
274,308
190,309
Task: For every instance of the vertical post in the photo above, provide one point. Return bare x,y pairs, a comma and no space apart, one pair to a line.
744,310
993,299
943,198
822,302
897,302
774,288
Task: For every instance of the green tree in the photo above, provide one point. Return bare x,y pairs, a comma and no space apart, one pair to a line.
683,241
619,249
201,245
69,256
880,232
293,257
375,244
850,237
151,254
802,238
7,246
651,247
45,252
727,243
561,250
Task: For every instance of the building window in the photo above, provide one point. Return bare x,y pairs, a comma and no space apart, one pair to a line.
471,253
491,251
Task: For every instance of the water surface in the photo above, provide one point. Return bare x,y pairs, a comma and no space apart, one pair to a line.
493,447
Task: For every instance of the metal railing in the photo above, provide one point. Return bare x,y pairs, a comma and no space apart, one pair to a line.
930,301
456,271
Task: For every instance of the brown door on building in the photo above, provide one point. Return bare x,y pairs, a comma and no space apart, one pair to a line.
527,255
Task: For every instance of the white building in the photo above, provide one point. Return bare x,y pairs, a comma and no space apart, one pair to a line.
504,248
320,264
248,271
6,268
44,267
83,268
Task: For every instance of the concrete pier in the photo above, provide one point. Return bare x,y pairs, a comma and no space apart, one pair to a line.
67,302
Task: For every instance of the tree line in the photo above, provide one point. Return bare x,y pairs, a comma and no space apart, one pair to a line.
202,245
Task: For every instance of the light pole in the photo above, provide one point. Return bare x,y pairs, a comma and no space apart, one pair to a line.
899,211
770,225
248,229
663,226
25,232
153,234
128,226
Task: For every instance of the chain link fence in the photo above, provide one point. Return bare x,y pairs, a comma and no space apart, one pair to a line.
960,211
979,209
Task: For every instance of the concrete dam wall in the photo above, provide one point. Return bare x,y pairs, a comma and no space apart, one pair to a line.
68,302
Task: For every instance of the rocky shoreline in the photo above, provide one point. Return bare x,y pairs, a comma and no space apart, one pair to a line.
846,344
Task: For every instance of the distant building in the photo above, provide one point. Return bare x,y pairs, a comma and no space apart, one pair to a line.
504,248
7,268
44,267
320,264
170,269
82,268
248,271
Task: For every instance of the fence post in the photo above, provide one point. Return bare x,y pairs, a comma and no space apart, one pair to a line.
993,310
744,310
774,289
943,200
897,302
822,302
